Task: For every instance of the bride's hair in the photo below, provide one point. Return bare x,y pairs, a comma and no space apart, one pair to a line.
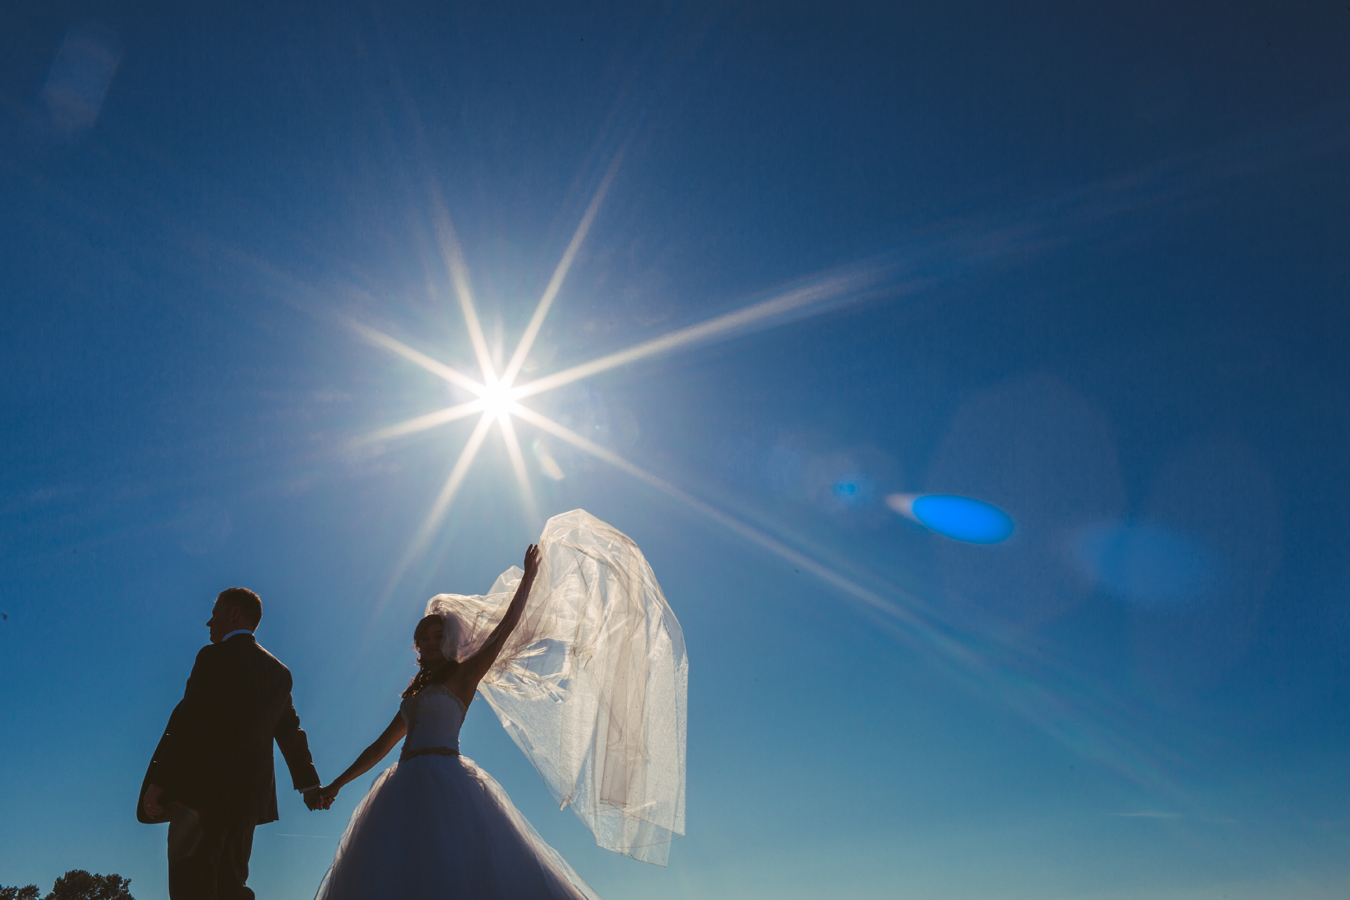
427,674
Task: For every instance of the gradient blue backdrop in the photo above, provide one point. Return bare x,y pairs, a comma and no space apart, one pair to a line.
1110,249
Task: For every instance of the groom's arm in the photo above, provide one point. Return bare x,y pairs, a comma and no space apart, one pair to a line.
290,737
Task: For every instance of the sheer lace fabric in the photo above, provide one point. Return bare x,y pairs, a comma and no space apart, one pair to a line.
592,685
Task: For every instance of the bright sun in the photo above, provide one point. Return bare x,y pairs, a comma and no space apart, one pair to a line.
497,401
497,398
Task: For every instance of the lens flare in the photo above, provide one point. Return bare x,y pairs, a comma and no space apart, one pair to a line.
959,518
1146,563
985,659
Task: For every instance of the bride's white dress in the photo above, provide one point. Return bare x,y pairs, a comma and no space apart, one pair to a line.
591,685
435,825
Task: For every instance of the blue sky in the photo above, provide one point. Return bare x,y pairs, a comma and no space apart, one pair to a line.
1084,263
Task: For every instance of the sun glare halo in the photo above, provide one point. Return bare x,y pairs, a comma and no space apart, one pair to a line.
498,400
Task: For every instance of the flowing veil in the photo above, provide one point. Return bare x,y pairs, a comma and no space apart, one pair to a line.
592,685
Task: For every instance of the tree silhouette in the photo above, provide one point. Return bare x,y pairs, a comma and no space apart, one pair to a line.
77,884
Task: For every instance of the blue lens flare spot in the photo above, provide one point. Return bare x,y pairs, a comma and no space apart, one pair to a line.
1147,563
962,518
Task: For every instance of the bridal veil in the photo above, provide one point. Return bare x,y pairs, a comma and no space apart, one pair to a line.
592,684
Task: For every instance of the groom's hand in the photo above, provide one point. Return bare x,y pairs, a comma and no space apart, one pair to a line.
150,801
328,795
314,799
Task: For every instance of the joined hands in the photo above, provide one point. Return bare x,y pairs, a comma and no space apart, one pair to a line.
321,797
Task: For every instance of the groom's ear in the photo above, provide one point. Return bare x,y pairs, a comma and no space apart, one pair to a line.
246,603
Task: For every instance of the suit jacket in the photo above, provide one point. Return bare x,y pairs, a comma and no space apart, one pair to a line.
216,753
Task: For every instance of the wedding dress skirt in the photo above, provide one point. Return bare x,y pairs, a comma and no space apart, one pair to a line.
591,685
435,825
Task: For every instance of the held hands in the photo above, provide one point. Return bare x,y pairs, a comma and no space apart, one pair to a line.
322,797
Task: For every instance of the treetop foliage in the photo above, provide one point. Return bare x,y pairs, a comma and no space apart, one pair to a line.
77,884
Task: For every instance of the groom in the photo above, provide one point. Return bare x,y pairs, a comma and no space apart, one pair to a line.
211,777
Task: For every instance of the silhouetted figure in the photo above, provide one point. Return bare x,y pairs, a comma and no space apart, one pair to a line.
211,777
436,826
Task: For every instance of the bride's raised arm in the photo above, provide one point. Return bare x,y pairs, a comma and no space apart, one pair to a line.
464,678
368,758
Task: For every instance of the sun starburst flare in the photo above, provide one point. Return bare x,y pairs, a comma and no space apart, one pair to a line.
497,396
987,661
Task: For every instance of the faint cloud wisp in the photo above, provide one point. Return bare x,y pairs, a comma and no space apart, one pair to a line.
79,78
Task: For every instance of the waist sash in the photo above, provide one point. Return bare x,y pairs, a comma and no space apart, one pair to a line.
427,751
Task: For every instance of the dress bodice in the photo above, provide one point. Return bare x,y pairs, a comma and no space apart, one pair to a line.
433,717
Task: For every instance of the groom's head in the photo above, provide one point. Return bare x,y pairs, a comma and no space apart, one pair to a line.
235,608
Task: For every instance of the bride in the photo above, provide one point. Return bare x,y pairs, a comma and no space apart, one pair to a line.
587,672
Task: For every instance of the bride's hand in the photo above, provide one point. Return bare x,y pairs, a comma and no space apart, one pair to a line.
531,563
327,796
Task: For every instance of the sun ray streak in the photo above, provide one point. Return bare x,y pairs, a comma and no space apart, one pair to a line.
447,494
422,423
518,465
986,666
871,598
459,276
820,292
380,339
439,508
1002,666
546,301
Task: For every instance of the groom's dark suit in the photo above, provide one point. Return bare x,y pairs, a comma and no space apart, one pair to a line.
214,764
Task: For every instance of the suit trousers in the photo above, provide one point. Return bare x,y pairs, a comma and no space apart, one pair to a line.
208,856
